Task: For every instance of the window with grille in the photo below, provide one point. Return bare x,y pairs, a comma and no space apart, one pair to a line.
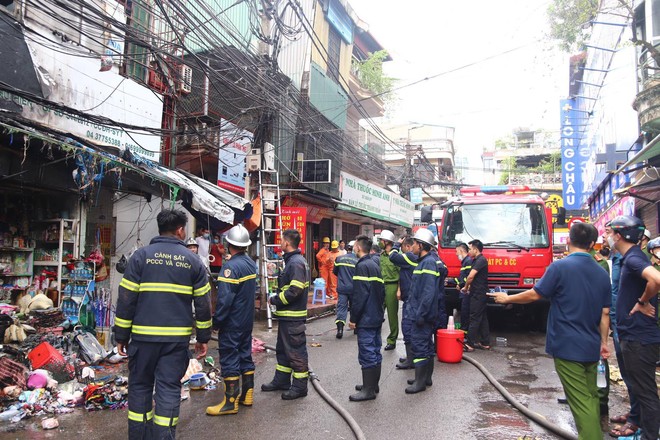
137,56
334,52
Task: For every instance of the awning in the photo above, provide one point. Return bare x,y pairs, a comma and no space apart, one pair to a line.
651,150
208,203
16,69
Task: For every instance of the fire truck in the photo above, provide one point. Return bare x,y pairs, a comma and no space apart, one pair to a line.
513,224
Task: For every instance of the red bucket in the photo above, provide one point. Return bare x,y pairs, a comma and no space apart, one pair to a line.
450,345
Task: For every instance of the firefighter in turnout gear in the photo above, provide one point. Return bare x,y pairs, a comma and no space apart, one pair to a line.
406,261
344,270
367,319
234,318
155,321
424,308
291,313
391,278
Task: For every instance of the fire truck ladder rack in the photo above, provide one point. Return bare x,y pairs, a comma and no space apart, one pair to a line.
271,226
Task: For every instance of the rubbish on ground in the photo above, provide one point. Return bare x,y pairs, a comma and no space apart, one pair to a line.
50,423
258,345
193,367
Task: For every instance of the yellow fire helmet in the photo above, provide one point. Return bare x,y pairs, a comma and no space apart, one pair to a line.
326,239
334,244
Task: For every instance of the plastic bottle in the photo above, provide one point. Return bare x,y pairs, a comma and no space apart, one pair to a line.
601,380
450,323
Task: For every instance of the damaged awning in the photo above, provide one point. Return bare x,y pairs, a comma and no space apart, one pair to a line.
209,204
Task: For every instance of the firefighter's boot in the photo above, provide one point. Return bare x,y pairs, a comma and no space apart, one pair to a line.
377,389
419,383
247,388
429,374
340,330
281,381
229,404
370,377
407,362
298,387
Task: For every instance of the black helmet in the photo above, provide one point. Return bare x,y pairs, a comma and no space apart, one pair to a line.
630,227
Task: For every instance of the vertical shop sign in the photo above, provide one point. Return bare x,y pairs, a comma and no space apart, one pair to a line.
294,218
574,155
235,144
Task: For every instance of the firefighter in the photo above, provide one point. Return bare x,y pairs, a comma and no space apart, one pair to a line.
329,267
466,268
344,270
321,257
154,323
234,318
424,309
367,319
291,313
391,278
406,261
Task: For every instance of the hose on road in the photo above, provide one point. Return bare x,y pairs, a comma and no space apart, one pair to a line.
316,383
539,419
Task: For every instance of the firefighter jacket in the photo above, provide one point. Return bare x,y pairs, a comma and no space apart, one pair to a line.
159,286
406,262
237,286
345,269
388,269
293,288
424,300
466,267
368,294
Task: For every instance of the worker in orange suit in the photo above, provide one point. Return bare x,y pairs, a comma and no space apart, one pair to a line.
329,266
321,256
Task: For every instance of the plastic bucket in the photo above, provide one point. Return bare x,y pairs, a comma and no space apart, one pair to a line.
450,345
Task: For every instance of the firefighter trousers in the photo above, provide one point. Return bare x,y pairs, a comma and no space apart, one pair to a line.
291,349
235,349
162,364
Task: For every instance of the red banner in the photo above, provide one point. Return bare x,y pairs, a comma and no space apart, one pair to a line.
294,218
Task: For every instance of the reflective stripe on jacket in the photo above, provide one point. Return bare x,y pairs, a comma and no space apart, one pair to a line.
159,286
368,294
424,300
293,288
345,269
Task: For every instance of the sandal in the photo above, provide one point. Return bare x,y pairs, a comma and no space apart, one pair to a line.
626,430
467,348
482,347
623,418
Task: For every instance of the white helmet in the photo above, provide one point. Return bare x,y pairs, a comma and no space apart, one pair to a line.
426,236
239,236
191,242
387,235
351,243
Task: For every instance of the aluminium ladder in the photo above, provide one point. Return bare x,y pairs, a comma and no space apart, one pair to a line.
271,227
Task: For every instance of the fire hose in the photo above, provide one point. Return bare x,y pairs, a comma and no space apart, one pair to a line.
359,434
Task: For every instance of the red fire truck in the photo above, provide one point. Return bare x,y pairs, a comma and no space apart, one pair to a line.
513,224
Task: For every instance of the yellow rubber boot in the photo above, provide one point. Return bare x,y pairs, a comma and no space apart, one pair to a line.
247,389
229,404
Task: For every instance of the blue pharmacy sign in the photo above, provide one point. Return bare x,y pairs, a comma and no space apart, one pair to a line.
574,155
416,195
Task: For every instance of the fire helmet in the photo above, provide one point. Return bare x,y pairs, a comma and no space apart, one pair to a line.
425,236
334,244
326,239
239,236
191,242
387,235
630,227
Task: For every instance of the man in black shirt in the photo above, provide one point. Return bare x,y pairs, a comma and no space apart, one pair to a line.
476,286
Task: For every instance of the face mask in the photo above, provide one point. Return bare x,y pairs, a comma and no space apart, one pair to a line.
216,241
207,236
610,241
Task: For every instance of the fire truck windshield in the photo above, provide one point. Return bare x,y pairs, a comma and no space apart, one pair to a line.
515,225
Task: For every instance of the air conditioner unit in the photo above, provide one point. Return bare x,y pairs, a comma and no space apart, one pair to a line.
253,160
185,79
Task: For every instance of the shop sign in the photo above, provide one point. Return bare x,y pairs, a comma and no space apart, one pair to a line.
293,218
82,86
235,144
315,213
623,206
574,155
361,196
416,195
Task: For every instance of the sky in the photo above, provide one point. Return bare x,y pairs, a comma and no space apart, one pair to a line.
495,92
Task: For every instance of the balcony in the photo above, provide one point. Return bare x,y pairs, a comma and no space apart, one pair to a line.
647,102
374,106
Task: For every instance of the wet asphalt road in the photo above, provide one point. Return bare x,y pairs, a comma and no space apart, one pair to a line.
460,405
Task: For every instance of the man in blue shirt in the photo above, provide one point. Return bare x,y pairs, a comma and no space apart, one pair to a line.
636,305
578,324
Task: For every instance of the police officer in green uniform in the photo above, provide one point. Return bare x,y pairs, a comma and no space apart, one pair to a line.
390,274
